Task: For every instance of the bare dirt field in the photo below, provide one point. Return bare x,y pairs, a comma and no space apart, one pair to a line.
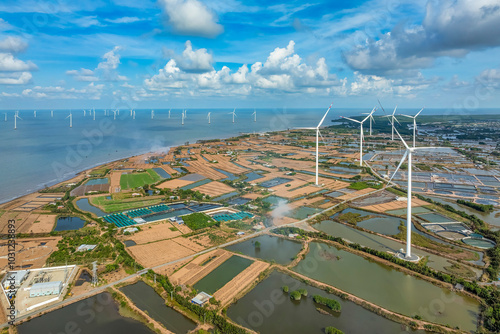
42,223
114,181
214,189
283,220
31,202
229,291
252,196
394,205
152,232
176,183
30,253
22,221
159,252
355,194
85,188
189,244
203,167
199,267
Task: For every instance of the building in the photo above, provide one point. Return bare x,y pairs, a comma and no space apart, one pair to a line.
201,298
84,248
46,289
16,277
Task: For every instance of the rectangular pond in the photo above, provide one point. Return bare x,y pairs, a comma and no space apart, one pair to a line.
97,315
271,248
69,223
93,182
389,288
267,309
303,212
252,176
84,205
221,275
435,218
162,173
274,182
146,298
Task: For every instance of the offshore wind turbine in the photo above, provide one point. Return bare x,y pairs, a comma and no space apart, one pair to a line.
391,118
208,116
133,115
84,113
70,119
360,135
5,116
152,114
52,113
169,113
16,116
233,113
183,116
34,113
408,153
114,114
414,123
371,118
94,113
254,115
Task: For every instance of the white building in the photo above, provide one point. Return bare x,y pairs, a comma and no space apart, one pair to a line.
46,289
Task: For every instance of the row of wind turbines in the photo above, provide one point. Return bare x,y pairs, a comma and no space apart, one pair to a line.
407,255
116,112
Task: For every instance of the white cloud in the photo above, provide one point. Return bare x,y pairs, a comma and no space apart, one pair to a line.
4,94
86,21
12,44
283,71
363,85
4,25
11,64
124,20
106,70
22,78
450,28
191,17
89,92
83,75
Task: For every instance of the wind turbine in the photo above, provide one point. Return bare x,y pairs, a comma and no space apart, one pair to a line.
70,119
34,113
371,118
114,114
408,153
5,116
360,135
183,116
16,116
169,113
391,118
152,114
233,113
52,113
254,115
94,113
318,133
84,113
414,123
131,111
208,116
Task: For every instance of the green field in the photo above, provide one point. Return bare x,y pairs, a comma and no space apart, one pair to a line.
135,180
198,220
121,205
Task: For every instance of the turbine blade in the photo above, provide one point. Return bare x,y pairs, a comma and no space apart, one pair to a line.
396,119
426,148
401,139
406,115
381,107
394,110
419,112
400,163
351,119
323,139
324,116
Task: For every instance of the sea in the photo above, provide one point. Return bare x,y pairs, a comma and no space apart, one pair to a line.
44,150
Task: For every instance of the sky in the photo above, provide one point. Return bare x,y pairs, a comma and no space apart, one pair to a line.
249,54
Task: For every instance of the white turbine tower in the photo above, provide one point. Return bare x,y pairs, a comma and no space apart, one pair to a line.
233,113
318,133
371,118
114,114
208,116
5,114
93,113
52,113
169,113
131,112
16,116
34,113
133,115
391,118
183,116
408,153
360,135
152,114
414,123
70,116
84,113
254,115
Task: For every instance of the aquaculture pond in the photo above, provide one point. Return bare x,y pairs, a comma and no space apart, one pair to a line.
492,218
166,215
97,314
129,243
84,205
303,212
221,275
382,244
274,200
69,223
162,172
386,287
93,182
225,196
379,223
230,176
267,309
252,176
146,298
435,218
271,248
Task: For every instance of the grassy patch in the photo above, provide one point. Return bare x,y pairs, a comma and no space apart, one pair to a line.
198,220
239,225
363,185
352,218
108,205
135,180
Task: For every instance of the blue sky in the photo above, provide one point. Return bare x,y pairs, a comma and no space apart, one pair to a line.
229,53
